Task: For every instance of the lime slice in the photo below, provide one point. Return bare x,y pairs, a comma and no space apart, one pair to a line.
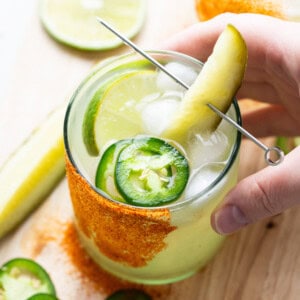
217,84
73,22
297,141
92,109
31,172
88,128
117,117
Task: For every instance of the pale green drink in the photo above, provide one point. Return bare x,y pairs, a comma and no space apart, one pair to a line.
176,238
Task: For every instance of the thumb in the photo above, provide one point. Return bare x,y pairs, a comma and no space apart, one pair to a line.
264,194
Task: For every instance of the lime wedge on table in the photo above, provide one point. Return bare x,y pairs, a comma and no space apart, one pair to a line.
31,172
112,114
73,22
217,84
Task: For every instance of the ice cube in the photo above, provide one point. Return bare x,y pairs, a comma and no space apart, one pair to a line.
156,115
205,148
202,178
184,73
92,4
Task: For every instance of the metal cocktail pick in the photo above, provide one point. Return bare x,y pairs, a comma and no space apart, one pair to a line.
270,152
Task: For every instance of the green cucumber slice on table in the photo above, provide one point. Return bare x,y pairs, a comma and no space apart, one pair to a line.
21,278
147,171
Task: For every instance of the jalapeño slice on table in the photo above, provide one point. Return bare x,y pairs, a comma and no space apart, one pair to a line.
130,294
21,278
42,296
147,171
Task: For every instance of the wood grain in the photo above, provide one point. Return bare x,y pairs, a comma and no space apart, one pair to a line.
259,262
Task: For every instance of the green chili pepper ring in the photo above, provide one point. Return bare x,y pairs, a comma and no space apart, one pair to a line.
106,169
21,278
42,296
130,294
150,172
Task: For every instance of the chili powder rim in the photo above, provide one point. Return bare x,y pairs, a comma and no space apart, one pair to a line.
175,205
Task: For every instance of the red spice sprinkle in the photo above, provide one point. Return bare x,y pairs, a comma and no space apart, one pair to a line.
91,273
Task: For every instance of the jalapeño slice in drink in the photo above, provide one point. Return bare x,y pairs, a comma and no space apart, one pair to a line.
148,171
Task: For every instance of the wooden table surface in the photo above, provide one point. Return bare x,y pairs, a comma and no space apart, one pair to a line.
37,74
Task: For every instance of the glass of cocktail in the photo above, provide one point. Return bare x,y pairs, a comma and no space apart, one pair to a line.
113,125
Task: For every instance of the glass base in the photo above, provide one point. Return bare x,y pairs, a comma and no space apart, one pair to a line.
124,272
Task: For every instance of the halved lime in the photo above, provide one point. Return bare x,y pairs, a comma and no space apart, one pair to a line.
217,84
116,115
73,22
31,172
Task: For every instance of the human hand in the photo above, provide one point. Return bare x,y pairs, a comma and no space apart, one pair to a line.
273,77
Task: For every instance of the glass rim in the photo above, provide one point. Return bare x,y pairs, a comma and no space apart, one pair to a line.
173,205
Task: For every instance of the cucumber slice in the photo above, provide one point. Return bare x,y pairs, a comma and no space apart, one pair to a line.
217,84
32,172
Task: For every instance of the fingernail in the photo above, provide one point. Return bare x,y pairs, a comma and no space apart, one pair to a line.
228,219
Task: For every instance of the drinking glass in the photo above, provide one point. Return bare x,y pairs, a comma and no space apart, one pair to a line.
150,245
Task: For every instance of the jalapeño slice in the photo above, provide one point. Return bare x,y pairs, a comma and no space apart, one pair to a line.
106,170
142,171
130,294
150,172
21,278
42,296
